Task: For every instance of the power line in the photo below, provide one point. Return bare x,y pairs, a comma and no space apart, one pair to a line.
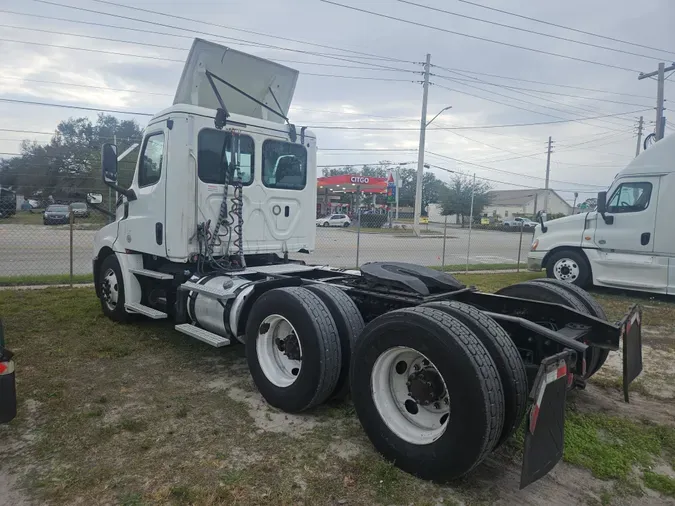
484,39
503,25
592,111
542,82
580,120
366,149
274,36
105,88
44,104
481,126
261,44
470,79
563,26
504,171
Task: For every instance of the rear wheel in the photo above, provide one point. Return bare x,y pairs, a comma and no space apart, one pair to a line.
325,224
346,224
292,349
506,357
552,292
349,324
569,266
593,308
426,392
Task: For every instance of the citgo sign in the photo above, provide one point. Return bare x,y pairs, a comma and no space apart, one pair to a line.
360,179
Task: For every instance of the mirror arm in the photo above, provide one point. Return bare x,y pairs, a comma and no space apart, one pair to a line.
127,192
544,228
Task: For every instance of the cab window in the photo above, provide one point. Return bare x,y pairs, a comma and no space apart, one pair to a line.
284,165
630,198
213,162
152,156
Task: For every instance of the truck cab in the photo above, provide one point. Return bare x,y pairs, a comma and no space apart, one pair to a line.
628,241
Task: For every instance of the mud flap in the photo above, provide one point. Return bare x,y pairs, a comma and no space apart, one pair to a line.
631,332
7,385
545,423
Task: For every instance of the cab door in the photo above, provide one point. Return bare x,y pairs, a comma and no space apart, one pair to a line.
625,256
144,228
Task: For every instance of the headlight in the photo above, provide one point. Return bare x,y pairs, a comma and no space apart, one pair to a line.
534,245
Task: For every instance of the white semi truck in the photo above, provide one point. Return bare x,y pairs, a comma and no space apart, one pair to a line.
628,242
439,373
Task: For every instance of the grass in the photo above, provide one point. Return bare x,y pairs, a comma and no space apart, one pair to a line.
45,279
139,414
660,483
392,231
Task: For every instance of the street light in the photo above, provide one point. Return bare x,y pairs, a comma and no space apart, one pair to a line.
437,115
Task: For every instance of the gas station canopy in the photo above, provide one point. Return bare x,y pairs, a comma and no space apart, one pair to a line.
350,184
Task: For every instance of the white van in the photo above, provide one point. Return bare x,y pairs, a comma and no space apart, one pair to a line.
629,242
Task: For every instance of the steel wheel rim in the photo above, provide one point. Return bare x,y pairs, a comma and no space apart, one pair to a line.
275,333
110,289
390,390
566,269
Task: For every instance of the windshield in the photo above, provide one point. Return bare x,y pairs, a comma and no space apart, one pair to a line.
78,205
57,209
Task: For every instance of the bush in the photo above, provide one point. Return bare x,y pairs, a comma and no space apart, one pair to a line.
373,220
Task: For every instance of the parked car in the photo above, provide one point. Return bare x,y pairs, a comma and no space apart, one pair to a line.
334,220
56,214
80,209
518,222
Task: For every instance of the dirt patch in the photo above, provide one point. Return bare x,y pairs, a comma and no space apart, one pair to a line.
10,495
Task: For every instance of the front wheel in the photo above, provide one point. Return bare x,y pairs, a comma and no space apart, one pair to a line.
111,290
569,266
325,224
346,224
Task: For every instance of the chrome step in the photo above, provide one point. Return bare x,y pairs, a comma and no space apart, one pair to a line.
137,307
206,290
203,335
151,274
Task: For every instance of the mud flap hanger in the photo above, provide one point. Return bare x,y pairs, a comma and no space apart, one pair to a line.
545,420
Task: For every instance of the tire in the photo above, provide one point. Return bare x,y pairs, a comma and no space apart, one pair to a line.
346,224
349,324
470,378
319,345
594,309
552,292
564,261
325,224
111,290
506,357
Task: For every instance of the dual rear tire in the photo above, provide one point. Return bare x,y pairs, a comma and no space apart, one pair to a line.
298,345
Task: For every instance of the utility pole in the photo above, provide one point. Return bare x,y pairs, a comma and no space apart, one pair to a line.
661,78
548,172
639,139
398,187
420,156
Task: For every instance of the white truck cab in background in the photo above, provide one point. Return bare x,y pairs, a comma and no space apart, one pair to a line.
629,241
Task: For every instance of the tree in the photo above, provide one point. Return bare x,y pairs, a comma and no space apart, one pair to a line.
457,199
69,165
433,189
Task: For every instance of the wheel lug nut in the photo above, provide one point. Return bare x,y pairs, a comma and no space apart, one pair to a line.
417,367
437,405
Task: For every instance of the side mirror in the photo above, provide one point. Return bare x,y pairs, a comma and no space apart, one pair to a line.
602,203
94,198
601,208
109,163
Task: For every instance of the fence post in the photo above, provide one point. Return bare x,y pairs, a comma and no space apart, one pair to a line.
468,247
445,233
358,226
72,219
520,245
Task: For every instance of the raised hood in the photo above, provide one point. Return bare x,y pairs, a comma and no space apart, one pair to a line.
252,75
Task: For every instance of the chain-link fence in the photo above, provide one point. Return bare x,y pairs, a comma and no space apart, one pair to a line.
36,246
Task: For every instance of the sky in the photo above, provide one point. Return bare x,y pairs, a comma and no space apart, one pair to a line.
360,75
